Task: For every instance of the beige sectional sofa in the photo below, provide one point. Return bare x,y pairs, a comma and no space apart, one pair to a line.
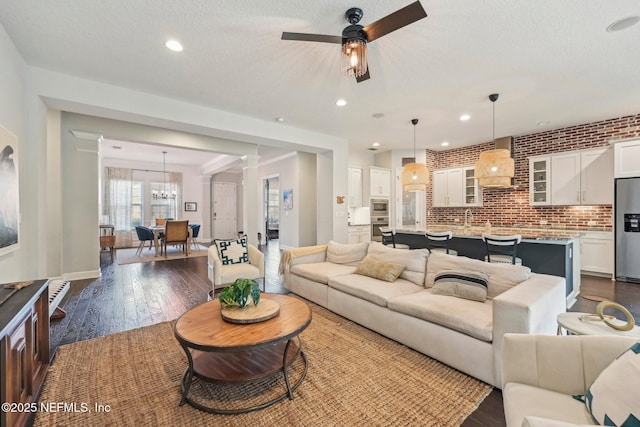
462,333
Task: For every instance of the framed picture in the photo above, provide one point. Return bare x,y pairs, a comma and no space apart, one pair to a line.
287,198
190,206
10,207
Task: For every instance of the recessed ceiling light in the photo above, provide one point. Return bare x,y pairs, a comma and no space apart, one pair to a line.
173,45
280,119
543,123
341,102
444,144
376,144
623,24
377,115
465,117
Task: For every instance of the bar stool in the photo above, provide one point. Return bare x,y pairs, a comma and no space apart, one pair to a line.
502,249
439,242
388,239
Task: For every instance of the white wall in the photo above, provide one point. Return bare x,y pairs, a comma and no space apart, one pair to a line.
15,265
28,107
306,199
287,171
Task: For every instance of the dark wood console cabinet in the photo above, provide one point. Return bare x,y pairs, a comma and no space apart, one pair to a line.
24,349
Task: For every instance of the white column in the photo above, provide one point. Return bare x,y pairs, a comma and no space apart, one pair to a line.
250,198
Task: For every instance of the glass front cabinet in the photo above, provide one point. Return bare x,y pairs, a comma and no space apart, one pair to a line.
539,181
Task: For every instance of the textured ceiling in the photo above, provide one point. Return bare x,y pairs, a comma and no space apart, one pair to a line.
551,61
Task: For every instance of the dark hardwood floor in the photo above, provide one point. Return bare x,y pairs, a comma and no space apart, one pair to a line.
135,295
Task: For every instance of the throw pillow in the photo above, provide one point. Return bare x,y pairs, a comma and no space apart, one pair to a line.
383,270
465,285
232,251
530,421
612,399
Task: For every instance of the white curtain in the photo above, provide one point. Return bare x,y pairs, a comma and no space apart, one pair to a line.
117,203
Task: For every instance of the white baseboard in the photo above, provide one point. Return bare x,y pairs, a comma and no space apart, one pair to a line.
572,298
79,275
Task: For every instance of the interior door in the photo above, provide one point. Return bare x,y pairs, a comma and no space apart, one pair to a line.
224,210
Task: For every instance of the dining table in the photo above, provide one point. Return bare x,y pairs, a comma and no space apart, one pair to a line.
159,229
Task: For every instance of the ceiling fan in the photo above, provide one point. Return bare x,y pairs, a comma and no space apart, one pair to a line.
355,37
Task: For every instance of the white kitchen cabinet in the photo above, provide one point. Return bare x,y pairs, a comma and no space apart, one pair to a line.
539,185
596,250
565,179
379,182
359,233
596,177
472,191
627,159
354,185
453,187
572,178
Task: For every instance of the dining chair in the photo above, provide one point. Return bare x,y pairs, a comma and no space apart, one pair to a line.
439,242
195,230
502,249
161,221
144,234
388,239
176,233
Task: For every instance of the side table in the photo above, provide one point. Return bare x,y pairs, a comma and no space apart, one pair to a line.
576,323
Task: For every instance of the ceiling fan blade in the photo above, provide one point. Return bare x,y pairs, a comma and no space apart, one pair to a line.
363,77
312,37
394,21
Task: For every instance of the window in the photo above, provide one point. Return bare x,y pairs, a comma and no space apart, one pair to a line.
163,200
137,206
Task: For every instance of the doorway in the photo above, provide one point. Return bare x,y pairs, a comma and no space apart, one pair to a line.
223,210
271,199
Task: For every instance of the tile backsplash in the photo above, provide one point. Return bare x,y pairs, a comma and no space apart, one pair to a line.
510,207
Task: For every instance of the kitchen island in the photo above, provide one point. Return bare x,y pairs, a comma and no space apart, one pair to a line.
544,251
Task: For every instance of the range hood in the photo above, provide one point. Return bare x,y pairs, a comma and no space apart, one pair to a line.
496,162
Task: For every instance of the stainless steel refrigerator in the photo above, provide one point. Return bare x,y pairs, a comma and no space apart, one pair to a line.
627,229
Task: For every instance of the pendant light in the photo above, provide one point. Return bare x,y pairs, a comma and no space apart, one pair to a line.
494,168
415,176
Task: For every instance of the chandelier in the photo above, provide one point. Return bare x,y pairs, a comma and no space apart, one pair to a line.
415,176
163,194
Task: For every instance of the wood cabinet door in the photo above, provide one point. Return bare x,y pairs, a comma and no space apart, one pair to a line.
596,177
439,188
455,186
565,179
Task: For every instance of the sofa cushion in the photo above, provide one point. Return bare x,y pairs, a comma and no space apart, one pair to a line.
373,290
502,277
321,271
469,317
383,270
243,270
415,260
468,285
613,398
348,254
546,422
522,400
233,251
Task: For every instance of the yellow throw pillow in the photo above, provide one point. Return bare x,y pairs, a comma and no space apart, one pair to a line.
383,270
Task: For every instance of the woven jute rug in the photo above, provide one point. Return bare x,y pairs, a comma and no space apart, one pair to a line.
355,378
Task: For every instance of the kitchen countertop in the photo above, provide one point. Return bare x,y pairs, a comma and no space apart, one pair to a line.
475,232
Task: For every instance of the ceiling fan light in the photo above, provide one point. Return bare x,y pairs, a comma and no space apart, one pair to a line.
354,57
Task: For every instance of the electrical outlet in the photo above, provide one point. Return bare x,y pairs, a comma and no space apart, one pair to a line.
543,222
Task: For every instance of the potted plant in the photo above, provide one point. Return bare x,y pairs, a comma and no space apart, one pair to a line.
237,294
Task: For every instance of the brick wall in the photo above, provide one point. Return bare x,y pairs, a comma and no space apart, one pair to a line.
510,208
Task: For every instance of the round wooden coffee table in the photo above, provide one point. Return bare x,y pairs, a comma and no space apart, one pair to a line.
219,351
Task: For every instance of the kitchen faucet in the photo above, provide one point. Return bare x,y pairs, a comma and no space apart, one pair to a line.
467,222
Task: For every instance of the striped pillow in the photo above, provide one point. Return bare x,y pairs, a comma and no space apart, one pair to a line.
472,286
